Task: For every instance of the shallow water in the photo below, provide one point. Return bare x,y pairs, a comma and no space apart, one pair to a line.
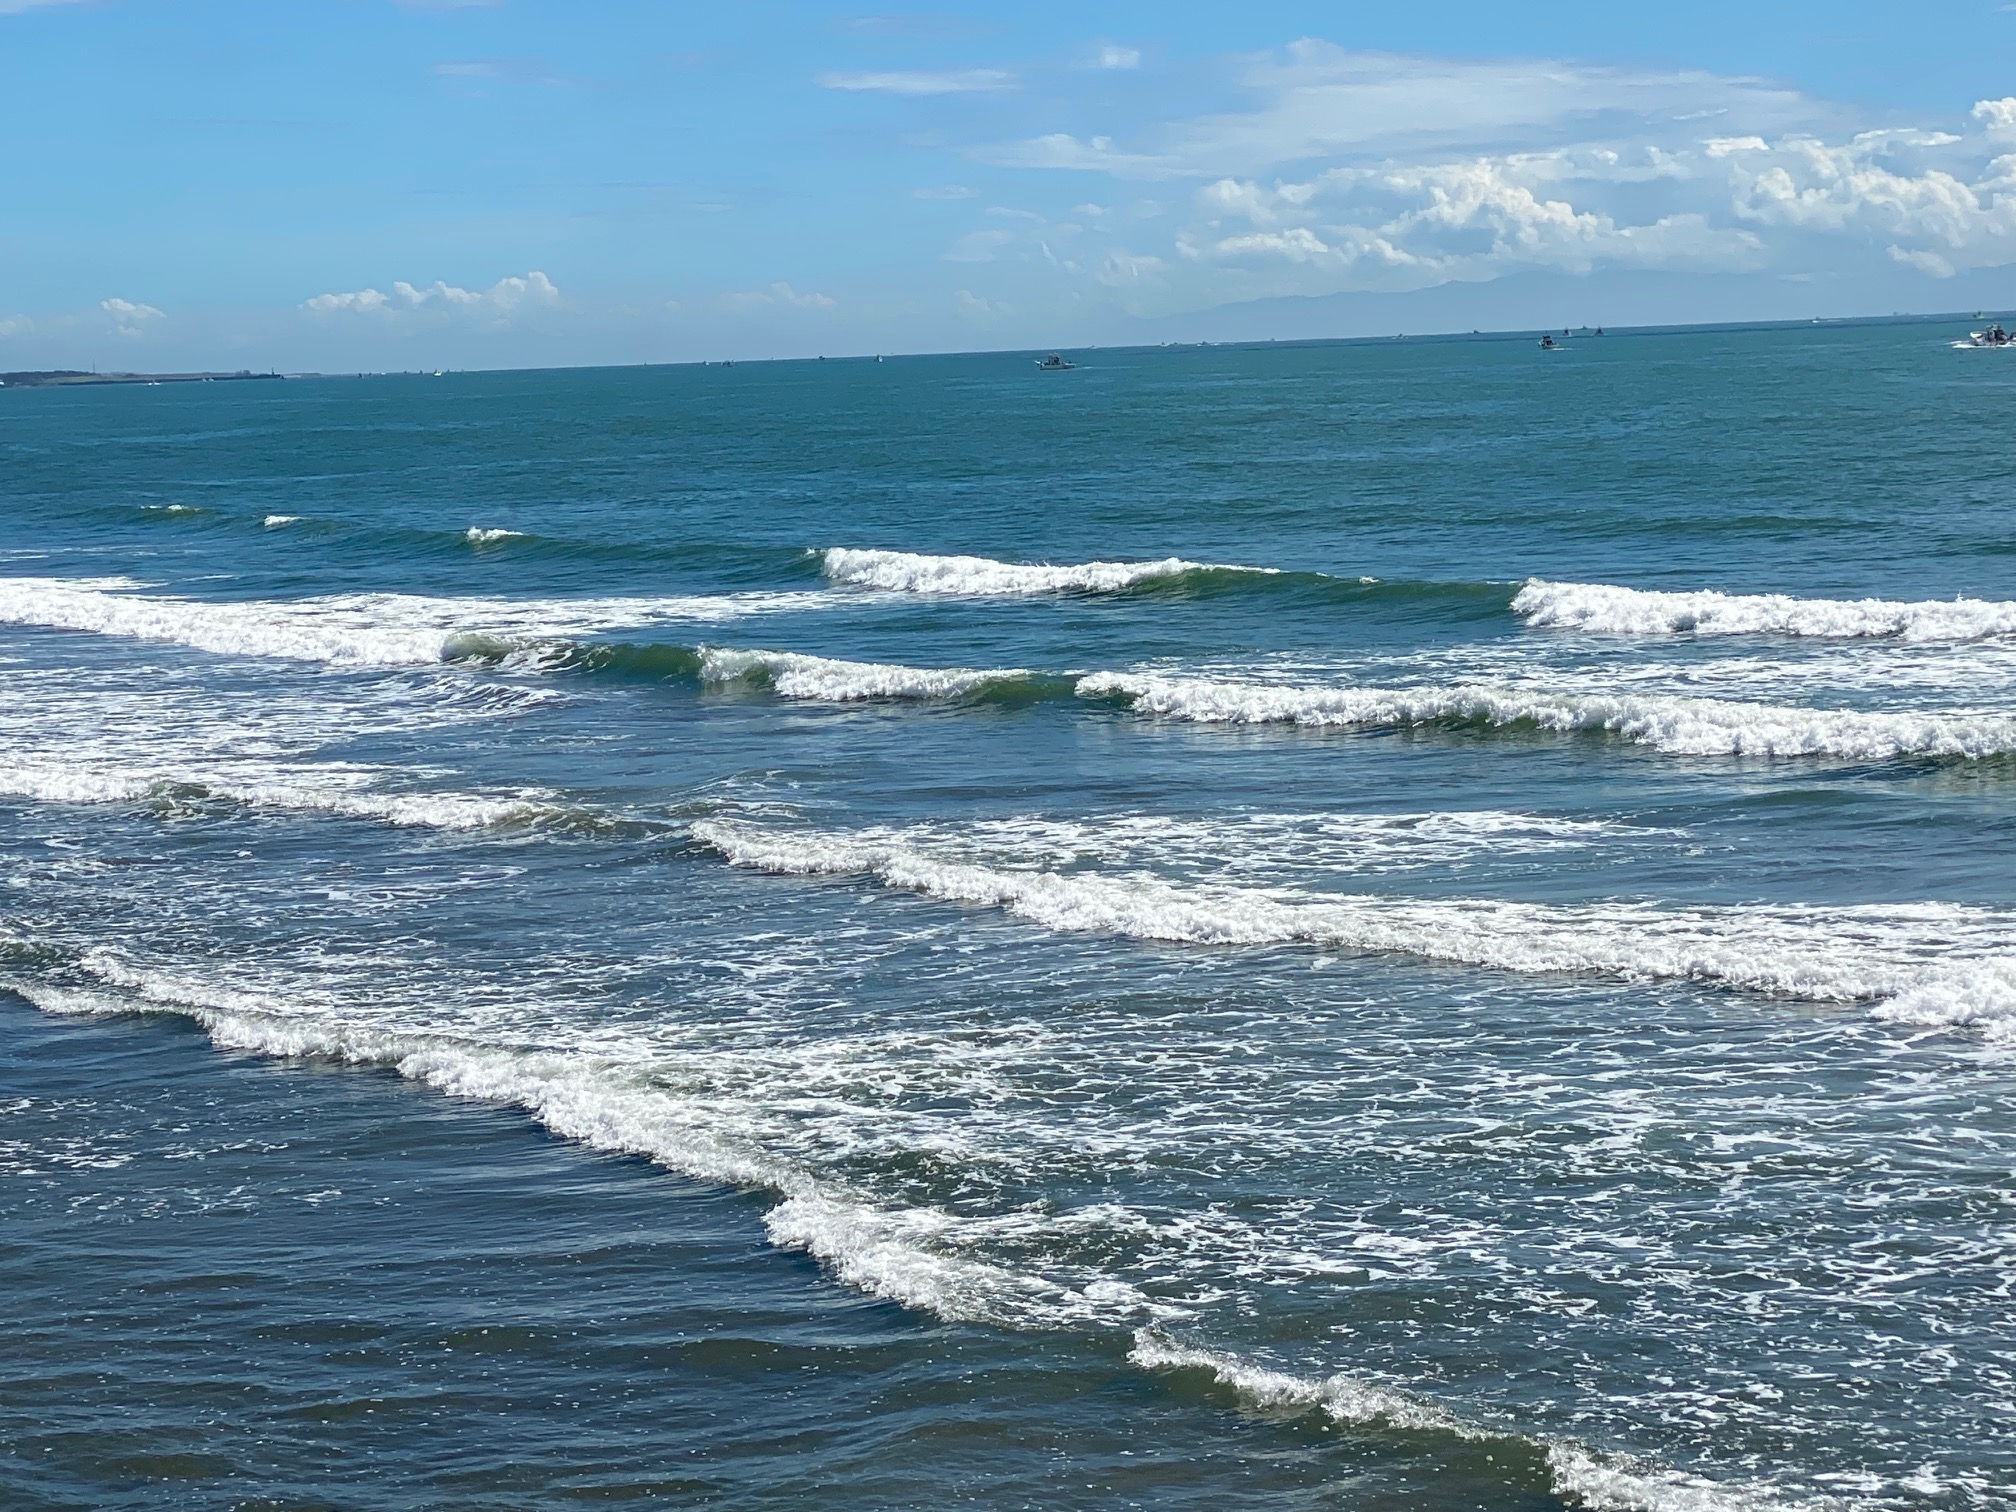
1123,926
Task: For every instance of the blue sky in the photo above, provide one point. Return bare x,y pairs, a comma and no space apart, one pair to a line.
418,183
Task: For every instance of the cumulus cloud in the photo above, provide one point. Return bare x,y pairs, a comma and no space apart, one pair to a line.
1353,171
778,296
128,318
501,302
956,81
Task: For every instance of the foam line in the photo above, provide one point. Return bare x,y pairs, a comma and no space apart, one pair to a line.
907,1255
1936,964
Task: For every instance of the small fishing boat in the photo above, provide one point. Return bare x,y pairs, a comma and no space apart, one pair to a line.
1549,344
1993,336
1055,363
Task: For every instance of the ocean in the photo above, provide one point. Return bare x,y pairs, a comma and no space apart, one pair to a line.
1424,925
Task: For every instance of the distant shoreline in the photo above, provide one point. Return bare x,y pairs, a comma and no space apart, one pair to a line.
79,379
62,378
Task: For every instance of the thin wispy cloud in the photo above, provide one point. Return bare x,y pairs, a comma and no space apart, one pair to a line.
956,81
1113,55
1314,100
16,7
777,296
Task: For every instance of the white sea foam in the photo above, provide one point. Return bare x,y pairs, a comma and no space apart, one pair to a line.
1249,845
275,521
1605,610
1921,960
1599,1482
793,675
368,629
984,577
907,1254
72,783
1680,725
478,535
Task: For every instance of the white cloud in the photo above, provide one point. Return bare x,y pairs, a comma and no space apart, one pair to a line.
1368,171
944,192
502,301
957,81
1935,200
778,296
1924,261
1113,55
15,325
1315,100
128,318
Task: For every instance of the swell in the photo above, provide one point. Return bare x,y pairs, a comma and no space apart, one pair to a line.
535,636
1933,964
1602,609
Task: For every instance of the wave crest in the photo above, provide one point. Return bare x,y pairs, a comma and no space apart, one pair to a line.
1677,725
1602,609
984,577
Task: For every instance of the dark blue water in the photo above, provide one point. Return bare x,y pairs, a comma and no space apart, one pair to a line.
1404,926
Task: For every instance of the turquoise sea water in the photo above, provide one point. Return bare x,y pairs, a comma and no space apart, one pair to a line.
1408,926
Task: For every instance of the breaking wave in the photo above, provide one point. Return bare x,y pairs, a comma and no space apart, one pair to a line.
1678,725
1599,1482
69,783
364,629
911,1255
1933,964
1604,610
790,674
984,577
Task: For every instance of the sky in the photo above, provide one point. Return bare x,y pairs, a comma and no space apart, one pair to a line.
342,185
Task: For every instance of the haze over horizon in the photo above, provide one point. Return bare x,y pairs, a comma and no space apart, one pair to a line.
498,183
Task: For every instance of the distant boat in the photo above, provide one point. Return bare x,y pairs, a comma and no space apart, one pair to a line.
1993,336
1055,363
1549,344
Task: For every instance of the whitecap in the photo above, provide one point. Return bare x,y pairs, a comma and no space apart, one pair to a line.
1602,609
984,577
794,675
1679,725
